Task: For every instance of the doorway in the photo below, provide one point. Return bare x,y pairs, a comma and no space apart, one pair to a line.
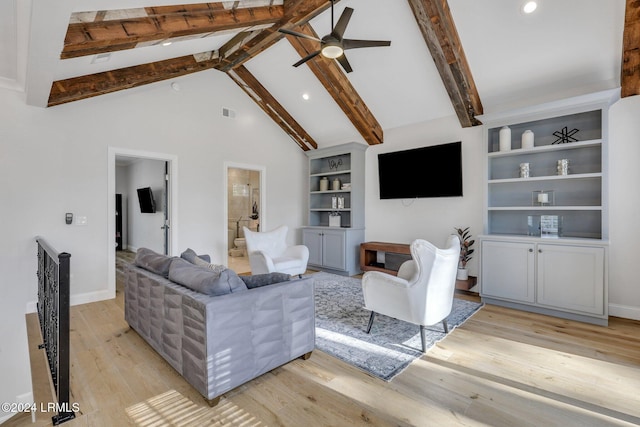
245,207
154,225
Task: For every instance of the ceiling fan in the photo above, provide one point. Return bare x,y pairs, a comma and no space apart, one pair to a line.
333,45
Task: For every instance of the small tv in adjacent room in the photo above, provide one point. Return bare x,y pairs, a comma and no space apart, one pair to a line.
434,171
147,203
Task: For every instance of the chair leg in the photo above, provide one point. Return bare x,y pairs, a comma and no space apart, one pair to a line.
373,316
423,338
446,327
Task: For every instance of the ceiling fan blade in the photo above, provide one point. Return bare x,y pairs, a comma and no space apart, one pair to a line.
293,33
355,44
306,58
338,30
342,60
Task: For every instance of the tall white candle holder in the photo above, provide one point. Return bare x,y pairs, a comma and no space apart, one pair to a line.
543,198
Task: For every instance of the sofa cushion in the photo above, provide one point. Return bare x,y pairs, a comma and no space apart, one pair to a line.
204,280
258,280
191,256
201,261
153,261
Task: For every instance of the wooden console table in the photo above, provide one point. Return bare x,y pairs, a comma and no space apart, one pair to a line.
369,260
369,255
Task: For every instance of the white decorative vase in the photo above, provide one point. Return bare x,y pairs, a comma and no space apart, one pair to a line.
463,274
505,138
334,221
527,139
324,184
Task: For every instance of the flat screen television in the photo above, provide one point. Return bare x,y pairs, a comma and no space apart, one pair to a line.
147,203
434,171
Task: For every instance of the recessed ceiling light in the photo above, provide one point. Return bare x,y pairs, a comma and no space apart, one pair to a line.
305,96
529,7
166,44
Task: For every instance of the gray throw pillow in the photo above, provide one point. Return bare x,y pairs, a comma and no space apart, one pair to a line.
191,256
258,280
153,261
204,280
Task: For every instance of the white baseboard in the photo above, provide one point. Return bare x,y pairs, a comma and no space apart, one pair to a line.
132,248
625,311
85,298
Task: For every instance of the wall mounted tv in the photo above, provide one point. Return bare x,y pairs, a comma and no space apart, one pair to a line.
147,203
434,171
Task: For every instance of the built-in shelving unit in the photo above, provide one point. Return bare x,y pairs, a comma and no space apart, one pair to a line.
336,248
544,246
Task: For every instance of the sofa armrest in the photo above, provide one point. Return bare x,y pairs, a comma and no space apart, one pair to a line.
250,333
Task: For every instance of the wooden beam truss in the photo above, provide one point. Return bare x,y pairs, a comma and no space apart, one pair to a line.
335,81
272,107
162,24
439,32
630,70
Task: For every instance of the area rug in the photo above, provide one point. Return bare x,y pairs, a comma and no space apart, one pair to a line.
341,324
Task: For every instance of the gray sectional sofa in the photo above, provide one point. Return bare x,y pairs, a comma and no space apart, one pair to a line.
218,342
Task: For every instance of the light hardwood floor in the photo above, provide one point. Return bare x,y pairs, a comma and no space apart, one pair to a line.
501,368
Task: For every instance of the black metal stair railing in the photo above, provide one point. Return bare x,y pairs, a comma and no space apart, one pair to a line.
53,313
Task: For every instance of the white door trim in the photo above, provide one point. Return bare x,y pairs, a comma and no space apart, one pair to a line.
172,199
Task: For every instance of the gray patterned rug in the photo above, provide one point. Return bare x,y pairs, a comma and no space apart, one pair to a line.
341,324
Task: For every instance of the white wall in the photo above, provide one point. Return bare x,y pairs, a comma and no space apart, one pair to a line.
624,212
432,219
55,160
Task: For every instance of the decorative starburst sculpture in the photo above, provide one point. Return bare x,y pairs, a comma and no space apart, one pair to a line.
564,136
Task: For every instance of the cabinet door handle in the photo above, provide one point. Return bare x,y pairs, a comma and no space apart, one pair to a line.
530,249
539,251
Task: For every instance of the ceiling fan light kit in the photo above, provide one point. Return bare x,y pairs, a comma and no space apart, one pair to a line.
333,45
332,50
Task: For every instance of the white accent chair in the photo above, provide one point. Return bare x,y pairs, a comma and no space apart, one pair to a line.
268,252
422,293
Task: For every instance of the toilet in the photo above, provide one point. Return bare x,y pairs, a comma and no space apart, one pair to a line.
241,243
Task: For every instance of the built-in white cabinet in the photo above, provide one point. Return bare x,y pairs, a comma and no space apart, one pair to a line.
566,279
509,270
544,246
334,250
335,227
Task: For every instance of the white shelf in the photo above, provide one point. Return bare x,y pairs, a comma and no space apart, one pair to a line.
545,208
342,172
330,210
330,192
546,178
546,148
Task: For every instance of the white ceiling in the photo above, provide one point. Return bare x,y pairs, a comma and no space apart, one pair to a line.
565,48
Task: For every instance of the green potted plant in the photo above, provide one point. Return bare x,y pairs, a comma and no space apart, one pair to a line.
465,252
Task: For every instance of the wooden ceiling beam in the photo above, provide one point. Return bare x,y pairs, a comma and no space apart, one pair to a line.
630,70
77,88
296,12
271,107
330,74
439,32
162,23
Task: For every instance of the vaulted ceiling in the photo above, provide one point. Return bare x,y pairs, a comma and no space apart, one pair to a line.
456,57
